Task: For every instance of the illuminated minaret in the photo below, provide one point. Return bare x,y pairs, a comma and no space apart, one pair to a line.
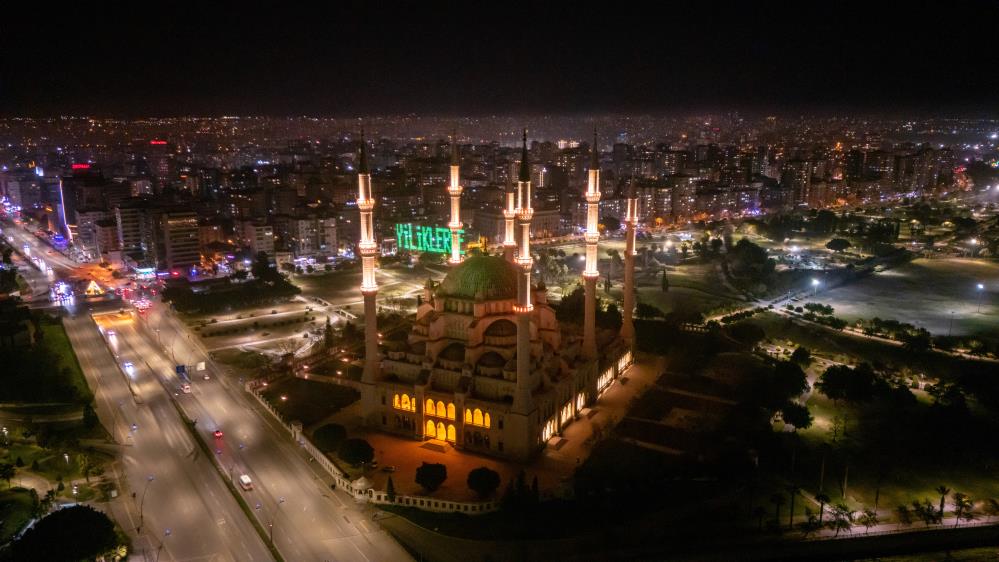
592,236
454,189
509,214
525,381
631,222
368,249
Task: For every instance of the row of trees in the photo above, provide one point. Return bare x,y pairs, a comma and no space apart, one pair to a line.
483,481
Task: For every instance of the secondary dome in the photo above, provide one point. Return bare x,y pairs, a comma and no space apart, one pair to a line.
485,277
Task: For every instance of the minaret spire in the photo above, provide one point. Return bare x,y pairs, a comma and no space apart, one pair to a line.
368,249
523,401
510,210
591,237
454,190
631,223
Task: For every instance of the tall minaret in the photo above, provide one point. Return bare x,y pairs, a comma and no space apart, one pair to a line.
509,214
454,190
631,222
368,249
525,382
592,235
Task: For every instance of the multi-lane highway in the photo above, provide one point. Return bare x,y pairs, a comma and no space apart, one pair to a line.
291,496
185,512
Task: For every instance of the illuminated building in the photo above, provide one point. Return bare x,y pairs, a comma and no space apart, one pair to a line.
486,366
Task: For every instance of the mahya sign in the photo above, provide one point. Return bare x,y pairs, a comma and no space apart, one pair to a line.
419,238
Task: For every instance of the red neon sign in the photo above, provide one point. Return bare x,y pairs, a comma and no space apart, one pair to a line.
157,142
80,166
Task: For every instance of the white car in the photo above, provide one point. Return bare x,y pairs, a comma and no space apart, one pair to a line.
128,365
185,388
245,482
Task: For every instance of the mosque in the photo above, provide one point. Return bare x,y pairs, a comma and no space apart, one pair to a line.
487,367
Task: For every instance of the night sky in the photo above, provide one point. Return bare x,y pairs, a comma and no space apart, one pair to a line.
494,58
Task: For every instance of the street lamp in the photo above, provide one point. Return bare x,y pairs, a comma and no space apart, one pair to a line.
981,292
815,286
142,503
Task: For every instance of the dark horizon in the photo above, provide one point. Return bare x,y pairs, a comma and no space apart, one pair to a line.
453,60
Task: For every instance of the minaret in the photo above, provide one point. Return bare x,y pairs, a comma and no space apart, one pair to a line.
592,235
525,383
509,214
631,222
454,190
368,249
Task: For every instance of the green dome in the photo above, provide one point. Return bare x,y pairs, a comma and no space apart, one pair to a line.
488,277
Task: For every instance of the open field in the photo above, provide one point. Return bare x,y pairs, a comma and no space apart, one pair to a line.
308,401
926,293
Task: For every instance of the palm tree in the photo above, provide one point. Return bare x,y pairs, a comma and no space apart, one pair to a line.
792,491
759,513
943,491
823,499
778,500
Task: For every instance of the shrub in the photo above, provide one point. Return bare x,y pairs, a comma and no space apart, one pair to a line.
483,481
431,475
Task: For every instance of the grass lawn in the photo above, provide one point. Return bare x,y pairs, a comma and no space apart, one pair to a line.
247,360
16,509
925,293
58,343
308,401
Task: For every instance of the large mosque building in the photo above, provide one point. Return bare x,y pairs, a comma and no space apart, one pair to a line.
487,366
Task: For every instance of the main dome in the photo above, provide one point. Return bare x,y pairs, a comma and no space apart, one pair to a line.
481,277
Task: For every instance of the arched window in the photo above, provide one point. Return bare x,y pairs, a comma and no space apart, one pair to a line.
430,407
468,416
450,411
408,403
395,401
441,409
485,420
477,417
431,429
451,433
441,431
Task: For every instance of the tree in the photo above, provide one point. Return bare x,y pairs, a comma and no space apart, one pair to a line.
991,508
792,491
483,481
74,533
759,513
842,519
7,471
869,518
390,489
838,244
716,246
356,451
19,463
823,499
431,475
801,356
89,416
796,415
964,508
643,310
789,380
925,512
943,491
903,515
778,500
664,285
328,340
261,267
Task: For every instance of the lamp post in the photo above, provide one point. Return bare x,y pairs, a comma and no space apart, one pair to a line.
142,502
981,292
815,286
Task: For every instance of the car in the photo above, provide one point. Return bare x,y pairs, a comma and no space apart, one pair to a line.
245,482
388,468
185,388
110,332
207,377
217,433
128,365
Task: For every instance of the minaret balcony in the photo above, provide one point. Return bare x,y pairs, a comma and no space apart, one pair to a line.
593,197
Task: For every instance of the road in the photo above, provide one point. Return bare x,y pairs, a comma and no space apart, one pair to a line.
186,495
291,496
